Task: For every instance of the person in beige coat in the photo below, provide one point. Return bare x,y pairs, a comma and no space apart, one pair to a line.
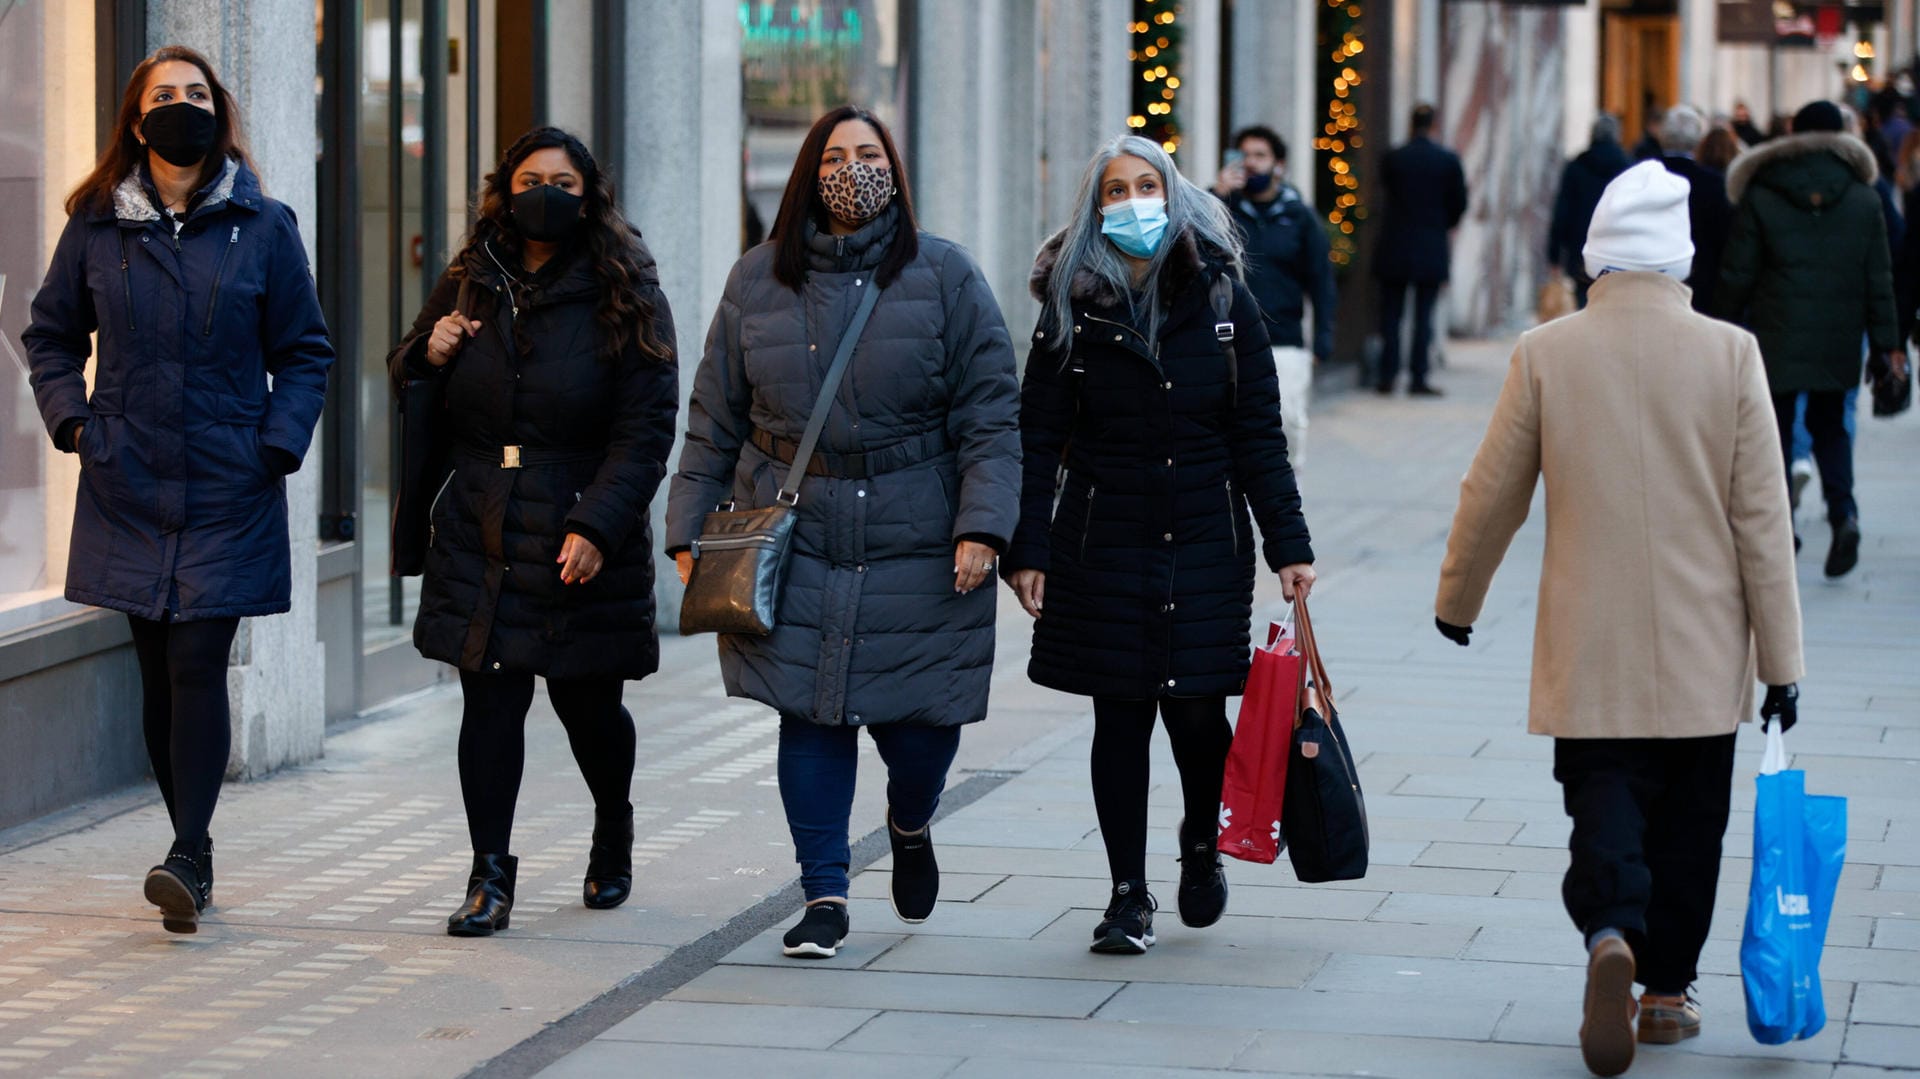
1668,584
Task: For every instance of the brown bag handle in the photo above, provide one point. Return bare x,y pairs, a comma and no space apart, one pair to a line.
1320,691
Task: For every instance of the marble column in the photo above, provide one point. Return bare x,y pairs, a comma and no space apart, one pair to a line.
1274,57
263,51
1201,90
680,183
1580,29
1085,94
1699,37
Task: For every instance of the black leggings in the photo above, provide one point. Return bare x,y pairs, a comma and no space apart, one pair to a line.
1122,729
184,713
493,747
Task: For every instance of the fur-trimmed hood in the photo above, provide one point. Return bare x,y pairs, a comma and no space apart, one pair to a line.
1763,164
132,203
1185,264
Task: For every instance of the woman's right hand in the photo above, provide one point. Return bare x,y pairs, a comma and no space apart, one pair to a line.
683,561
1030,585
447,335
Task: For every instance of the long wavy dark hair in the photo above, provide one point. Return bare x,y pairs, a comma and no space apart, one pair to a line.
802,203
126,153
606,238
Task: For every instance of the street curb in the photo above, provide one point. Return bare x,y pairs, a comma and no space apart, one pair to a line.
690,960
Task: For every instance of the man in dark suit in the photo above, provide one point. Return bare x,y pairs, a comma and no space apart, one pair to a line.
1708,210
1426,195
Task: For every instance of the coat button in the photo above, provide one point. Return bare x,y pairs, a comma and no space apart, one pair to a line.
1076,329
853,718
496,664
1168,536
861,568
1118,337
1039,333
862,492
1170,683
1169,462
813,348
1166,385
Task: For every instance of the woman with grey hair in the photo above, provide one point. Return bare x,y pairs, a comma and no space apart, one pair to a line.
1151,440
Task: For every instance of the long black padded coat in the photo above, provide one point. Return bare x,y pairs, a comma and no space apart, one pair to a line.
595,434
1139,475
869,628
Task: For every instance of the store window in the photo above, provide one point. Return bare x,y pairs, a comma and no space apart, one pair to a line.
46,146
799,60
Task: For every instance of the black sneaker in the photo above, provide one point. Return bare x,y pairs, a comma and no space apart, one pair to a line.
821,932
1845,552
1421,389
916,875
1203,883
1128,927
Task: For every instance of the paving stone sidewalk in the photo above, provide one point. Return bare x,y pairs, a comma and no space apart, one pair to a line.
1454,956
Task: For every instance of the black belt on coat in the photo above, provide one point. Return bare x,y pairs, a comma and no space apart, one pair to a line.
856,466
529,456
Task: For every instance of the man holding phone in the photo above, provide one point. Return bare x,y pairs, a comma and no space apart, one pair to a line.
1287,265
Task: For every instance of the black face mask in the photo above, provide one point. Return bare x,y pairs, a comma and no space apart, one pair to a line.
181,133
546,213
1259,182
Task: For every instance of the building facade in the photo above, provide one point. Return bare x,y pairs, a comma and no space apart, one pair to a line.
377,119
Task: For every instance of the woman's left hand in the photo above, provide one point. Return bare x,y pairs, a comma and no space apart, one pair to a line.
580,560
1296,580
972,565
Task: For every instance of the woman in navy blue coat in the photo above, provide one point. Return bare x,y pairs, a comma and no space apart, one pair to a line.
198,289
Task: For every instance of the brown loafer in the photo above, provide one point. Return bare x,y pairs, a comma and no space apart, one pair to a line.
1665,1020
1606,1029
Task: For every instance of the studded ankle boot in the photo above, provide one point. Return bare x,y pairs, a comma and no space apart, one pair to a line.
182,886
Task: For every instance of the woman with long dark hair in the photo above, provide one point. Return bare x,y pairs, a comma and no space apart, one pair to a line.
197,288
1150,421
553,349
883,622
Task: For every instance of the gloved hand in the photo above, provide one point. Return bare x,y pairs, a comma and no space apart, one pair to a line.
1457,634
1782,703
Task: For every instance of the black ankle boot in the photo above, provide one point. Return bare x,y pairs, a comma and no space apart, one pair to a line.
182,886
489,897
1203,884
610,862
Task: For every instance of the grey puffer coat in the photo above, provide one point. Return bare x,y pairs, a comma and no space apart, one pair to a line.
870,629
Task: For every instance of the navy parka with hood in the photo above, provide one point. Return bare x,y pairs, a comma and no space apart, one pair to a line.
1144,477
182,504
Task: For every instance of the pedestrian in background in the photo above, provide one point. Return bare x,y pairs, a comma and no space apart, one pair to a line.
552,347
1426,195
1581,183
1669,581
1717,152
1906,260
883,623
1147,440
196,287
1286,265
1807,269
1744,128
1709,214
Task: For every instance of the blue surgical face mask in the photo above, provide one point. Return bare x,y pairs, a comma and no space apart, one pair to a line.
1135,226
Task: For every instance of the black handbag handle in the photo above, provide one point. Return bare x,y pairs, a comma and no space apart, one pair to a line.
790,490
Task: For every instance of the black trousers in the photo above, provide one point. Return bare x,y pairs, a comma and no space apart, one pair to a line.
493,747
184,714
1648,817
1832,446
1122,731
1393,301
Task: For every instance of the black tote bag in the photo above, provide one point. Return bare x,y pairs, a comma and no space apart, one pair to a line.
1323,817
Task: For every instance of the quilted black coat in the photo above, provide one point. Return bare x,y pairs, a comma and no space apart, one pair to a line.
595,435
869,628
1139,475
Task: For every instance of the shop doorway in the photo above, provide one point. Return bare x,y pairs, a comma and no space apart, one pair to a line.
1640,65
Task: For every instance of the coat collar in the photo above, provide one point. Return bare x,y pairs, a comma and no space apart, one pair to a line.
1627,290
134,205
1851,151
862,249
1185,264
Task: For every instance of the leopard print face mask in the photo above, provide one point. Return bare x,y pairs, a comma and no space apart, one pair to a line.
857,192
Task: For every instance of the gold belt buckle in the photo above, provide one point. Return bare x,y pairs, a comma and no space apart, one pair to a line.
509,457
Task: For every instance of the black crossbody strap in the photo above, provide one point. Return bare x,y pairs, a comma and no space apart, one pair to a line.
790,490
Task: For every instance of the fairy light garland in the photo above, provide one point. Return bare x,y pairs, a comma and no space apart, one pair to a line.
1338,193
1155,55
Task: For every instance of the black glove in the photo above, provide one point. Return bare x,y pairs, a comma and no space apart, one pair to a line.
1457,634
1783,704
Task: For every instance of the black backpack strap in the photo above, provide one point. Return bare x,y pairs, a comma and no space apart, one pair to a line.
1221,293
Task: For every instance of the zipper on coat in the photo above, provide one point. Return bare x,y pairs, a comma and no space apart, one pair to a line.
1060,477
126,279
1233,518
432,532
213,302
1086,524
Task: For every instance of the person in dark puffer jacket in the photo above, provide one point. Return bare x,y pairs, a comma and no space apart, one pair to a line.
1147,461
561,388
882,623
195,286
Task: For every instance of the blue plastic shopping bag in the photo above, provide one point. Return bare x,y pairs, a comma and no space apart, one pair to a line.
1799,847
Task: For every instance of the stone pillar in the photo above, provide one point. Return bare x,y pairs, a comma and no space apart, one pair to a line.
1201,90
681,182
263,52
1699,33
1580,29
1274,56
1085,94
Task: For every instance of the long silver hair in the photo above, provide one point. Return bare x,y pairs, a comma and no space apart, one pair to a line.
1190,209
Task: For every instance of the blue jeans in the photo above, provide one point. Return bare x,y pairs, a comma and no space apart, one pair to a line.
1802,441
816,768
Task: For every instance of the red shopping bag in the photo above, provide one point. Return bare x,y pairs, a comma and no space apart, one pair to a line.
1256,778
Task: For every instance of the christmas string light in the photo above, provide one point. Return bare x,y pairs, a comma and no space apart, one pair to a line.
1155,55
1343,36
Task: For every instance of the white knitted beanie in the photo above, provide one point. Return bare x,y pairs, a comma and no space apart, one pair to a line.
1641,225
